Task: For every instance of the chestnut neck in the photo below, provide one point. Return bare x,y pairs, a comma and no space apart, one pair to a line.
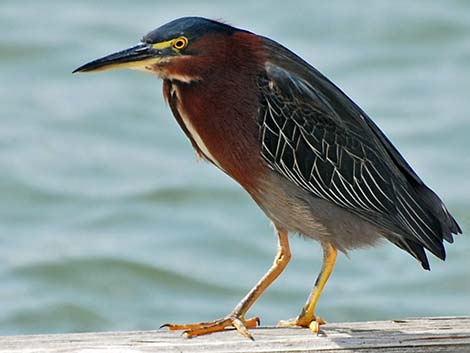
223,109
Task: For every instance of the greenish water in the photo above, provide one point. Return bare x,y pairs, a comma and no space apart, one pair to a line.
107,222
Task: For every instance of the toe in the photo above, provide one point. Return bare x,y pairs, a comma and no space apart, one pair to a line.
216,326
203,328
313,325
240,327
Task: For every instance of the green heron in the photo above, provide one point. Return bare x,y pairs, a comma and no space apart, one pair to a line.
311,159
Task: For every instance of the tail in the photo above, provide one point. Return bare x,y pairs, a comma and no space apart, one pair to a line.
420,210
427,220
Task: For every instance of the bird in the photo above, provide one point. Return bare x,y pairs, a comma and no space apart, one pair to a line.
311,159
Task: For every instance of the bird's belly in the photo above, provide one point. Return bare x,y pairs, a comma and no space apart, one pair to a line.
298,211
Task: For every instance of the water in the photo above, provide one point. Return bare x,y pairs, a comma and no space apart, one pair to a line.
108,223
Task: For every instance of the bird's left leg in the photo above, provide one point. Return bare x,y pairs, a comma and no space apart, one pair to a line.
236,317
307,316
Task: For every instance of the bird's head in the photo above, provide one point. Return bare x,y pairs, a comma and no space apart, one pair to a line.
186,49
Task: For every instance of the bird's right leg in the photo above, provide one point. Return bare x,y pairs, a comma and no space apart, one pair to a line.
307,317
237,317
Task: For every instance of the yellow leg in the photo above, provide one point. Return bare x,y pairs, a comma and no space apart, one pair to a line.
307,316
236,317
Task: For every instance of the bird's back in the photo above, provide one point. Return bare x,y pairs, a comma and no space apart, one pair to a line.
315,136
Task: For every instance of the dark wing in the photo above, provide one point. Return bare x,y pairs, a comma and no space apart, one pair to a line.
315,136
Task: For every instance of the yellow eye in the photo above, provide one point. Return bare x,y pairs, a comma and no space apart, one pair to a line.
180,43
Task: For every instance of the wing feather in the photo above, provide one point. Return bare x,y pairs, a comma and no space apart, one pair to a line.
316,137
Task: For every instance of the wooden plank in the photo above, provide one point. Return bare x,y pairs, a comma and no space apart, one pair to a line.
444,334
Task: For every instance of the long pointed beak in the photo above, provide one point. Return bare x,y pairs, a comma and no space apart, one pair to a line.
136,57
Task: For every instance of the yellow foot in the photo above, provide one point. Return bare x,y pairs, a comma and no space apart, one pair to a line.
203,328
313,325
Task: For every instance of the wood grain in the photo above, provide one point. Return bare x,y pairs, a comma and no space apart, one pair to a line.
442,334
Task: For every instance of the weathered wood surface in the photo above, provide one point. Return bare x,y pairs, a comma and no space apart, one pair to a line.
411,335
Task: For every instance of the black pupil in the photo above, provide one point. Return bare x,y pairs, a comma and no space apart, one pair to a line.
180,43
